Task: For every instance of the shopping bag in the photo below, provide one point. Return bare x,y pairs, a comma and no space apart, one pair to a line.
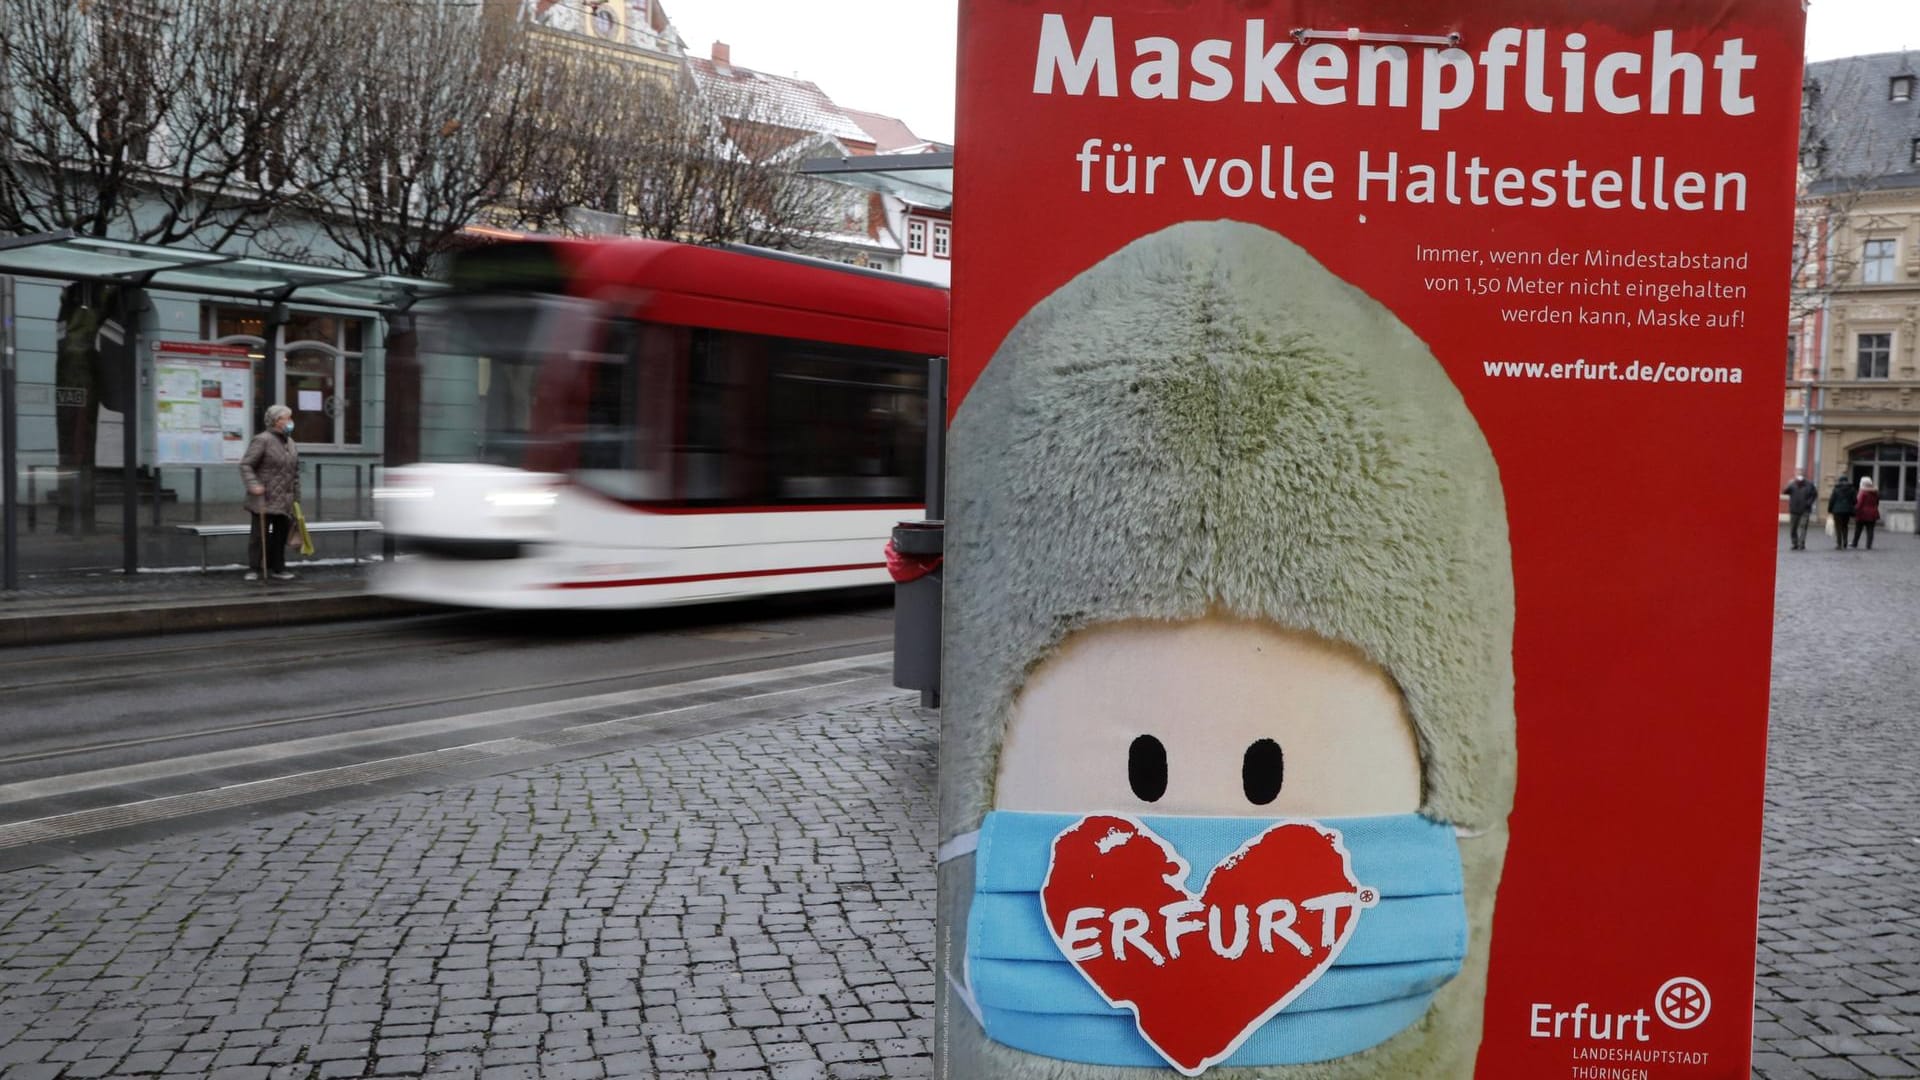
300,526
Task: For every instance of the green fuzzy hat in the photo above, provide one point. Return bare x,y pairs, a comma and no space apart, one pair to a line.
1208,421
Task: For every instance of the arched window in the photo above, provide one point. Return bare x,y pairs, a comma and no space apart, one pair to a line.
1893,466
319,374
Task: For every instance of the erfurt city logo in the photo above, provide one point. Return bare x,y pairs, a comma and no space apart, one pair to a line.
1680,1003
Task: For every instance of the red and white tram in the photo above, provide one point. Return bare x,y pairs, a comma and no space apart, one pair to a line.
656,424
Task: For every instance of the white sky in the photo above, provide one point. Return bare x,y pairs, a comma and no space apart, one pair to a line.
896,56
1853,27
885,56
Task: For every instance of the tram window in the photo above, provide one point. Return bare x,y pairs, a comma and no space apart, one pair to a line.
721,457
627,404
607,442
846,425
783,421
507,394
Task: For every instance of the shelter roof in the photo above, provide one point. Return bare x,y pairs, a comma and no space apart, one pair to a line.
64,256
920,179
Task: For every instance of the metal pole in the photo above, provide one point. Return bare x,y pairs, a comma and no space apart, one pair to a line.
937,439
130,437
319,490
156,496
9,442
936,481
196,494
1806,425
356,490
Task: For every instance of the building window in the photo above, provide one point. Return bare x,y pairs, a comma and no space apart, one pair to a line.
1876,350
321,373
1913,155
1900,88
942,240
916,236
1891,464
1876,264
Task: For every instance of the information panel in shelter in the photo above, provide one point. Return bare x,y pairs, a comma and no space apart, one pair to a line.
1360,536
203,402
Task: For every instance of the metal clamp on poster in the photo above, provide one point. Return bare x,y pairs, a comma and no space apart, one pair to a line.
203,402
1291,727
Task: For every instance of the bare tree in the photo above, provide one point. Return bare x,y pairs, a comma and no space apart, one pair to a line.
669,160
754,192
598,115
770,203
158,120
434,120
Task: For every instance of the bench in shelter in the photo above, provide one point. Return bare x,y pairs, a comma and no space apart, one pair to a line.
208,532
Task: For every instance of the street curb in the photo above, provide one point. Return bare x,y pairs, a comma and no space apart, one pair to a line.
54,627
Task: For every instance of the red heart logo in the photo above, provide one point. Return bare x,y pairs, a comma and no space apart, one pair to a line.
1200,972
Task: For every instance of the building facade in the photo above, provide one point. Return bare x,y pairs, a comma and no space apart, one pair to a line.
1853,385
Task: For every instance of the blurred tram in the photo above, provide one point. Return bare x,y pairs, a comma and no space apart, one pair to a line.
658,424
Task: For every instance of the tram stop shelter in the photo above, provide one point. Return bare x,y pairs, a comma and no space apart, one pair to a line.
920,179
133,375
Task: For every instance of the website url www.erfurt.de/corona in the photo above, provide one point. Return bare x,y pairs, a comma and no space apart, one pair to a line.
1639,371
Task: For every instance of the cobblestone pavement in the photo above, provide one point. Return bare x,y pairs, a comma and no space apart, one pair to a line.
1839,963
754,904
759,903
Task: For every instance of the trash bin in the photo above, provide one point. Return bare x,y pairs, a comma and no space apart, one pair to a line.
913,558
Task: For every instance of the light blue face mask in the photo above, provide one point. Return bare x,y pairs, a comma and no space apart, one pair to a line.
1028,996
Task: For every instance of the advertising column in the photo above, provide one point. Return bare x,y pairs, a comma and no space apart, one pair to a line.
1360,539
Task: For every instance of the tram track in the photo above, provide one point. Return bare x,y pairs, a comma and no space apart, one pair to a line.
10,661
476,744
301,652
689,670
478,629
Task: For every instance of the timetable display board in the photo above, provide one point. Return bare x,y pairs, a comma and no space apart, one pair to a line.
203,402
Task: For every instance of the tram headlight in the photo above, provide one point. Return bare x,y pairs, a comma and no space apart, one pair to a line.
522,500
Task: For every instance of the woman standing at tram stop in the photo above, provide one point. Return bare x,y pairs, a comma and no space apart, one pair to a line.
1866,511
271,469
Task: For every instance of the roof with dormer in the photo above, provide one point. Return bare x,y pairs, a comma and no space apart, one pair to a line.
745,94
1857,131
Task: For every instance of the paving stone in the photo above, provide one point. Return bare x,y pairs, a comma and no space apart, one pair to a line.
562,921
759,902
1840,878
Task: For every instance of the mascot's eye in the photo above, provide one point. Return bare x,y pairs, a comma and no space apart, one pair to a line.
1262,771
1147,768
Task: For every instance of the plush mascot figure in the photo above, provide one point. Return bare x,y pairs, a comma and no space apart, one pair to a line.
1228,744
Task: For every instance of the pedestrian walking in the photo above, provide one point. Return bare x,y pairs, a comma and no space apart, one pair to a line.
271,469
1801,495
1840,508
1866,511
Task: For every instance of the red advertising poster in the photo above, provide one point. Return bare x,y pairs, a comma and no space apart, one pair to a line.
1360,536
